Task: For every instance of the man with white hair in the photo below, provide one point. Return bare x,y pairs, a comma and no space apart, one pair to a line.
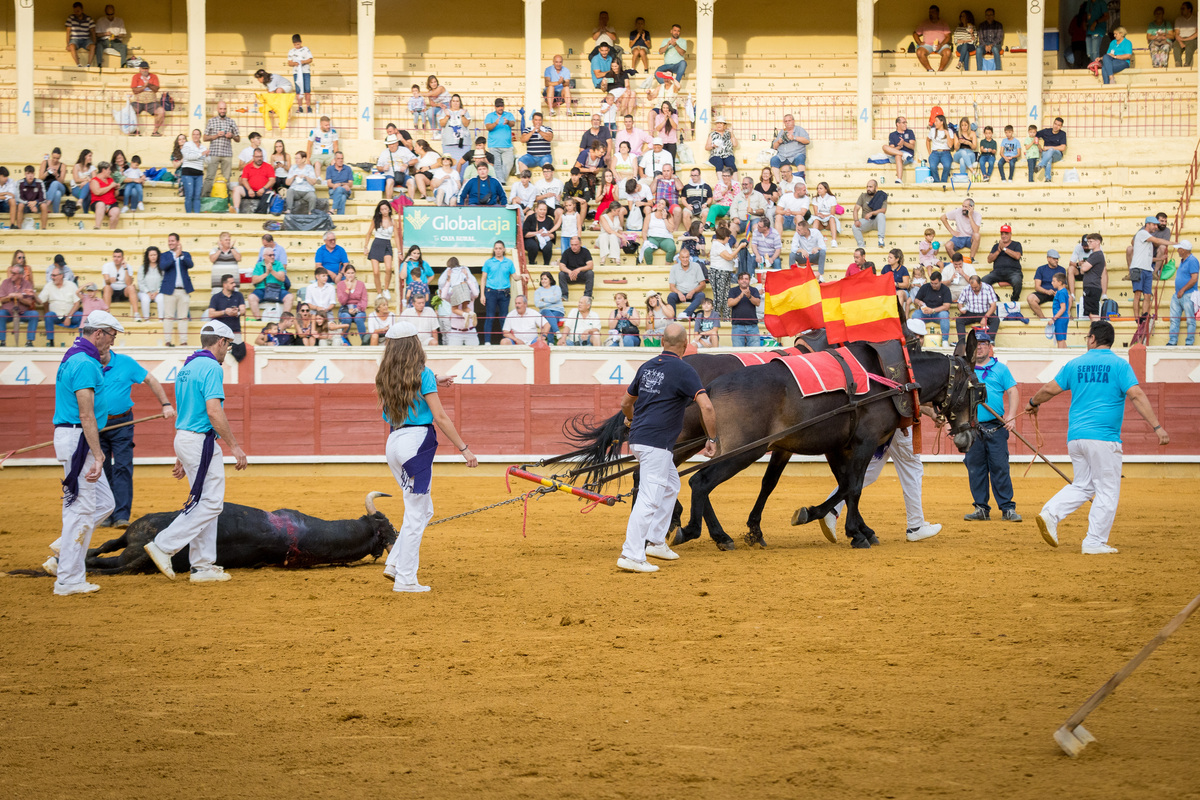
199,394
524,325
581,327
1183,298
79,413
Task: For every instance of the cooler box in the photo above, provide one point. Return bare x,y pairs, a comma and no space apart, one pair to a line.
376,183
922,174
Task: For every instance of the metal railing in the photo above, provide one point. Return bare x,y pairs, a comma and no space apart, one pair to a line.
1185,196
90,111
8,110
1108,114
244,108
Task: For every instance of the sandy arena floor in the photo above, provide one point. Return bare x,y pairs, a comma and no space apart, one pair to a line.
536,669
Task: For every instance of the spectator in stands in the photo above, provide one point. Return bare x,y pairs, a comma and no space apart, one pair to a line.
270,280
455,122
664,123
824,213
1183,299
228,305
257,179
1141,264
976,306
103,191
1010,153
571,219
458,290
225,258
1092,273
792,207
858,264
393,163
592,163
991,39
332,256
720,145
658,316
581,327
957,273
557,91
322,144
743,302
1043,283
808,246
933,36
53,173
1184,40
1097,26
133,184
870,213
340,180
623,323
766,245
686,283
939,142
31,198
220,132
482,190
965,225
145,87
524,193
523,325
1053,144
549,301
539,233
80,32
788,181
321,294
725,192
1118,57
1005,259
18,301
697,197
247,153
639,45
111,35
500,125
423,318
894,266
192,167
91,301
536,138
965,144
176,266
300,59
988,148
578,189
81,179
61,297
639,141
668,187
674,52
421,186
1159,34
965,39
658,232
933,301
274,83
352,299
446,183
498,273
575,266
901,147
281,162
600,64
8,197
149,282
302,195
119,281
437,100
656,159
598,132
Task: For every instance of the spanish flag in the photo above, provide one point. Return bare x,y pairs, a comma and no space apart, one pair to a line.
861,308
793,302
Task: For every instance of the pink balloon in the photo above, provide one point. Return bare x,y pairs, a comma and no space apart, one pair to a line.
839,210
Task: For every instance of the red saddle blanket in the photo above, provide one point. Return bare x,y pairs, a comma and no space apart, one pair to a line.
815,373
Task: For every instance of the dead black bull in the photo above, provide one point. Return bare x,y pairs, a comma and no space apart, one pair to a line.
249,537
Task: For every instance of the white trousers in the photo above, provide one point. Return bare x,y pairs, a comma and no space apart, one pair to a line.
658,487
610,245
174,311
93,503
1097,467
145,297
909,471
197,529
405,556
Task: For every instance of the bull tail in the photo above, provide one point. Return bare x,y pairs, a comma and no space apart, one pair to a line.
99,565
601,444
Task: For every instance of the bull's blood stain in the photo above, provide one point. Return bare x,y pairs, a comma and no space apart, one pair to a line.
287,526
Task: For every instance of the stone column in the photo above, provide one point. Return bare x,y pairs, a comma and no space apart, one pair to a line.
197,70
25,61
865,71
366,69
533,58
1035,17
702,75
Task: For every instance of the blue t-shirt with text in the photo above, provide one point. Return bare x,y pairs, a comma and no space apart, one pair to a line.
663,386
196,383
1097,381
123,373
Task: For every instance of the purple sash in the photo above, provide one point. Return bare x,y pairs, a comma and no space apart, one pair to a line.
206,451
419,468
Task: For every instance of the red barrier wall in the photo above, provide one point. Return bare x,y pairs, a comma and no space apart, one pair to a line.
302,420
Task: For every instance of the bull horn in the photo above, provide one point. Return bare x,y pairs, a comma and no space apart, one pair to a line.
371,500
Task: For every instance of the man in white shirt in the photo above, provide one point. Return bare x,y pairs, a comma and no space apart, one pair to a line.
111,35
523,325
424,318
322,144
639,140
549,188
300,59
581,327
787,182
8,197
655,158
301,196
957,274
118,282
524,193
321,294
247,154
964,224
808,246
792,208
62,298
393,164
1141,264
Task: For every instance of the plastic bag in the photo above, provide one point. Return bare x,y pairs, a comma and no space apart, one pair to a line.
126,118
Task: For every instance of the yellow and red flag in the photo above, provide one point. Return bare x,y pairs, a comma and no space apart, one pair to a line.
793,302
861,308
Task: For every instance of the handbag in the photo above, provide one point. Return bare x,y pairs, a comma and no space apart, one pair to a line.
273,293
168,102
627,328
765,155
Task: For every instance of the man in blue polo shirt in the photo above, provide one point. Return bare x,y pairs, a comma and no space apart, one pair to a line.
653,407
987,460
79,414
122,373
500,125
1182,298
1099,382
200,394
331,256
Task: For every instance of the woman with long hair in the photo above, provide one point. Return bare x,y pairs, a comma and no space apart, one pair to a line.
412,260
622,323
119,165
408,396
899,272
81,178
282,164
548,300
455,122
427,159
658,316
445,183
150,282
665,123
53,173
193,172
966,143
607,193
939,141
824,216
103,190
381,234
437,99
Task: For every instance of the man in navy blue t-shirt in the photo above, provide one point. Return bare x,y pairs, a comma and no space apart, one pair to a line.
901,146
654,406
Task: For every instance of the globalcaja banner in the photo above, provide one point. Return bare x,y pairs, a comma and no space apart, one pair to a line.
459,229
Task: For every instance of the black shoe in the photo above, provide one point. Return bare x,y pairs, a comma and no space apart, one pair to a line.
29,344
1012,516
107,522
980,514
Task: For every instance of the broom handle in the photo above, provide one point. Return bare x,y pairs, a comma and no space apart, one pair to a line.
1104,691
102,430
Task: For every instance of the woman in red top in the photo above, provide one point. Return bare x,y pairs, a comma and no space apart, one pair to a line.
607,194
104,196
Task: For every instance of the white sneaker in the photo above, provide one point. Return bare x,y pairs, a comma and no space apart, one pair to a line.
389,572
213,574
141,206
661,551
829,527
124,209
1097,549
160,559
1048,529
409,587
56,545
926,531
51,565
629,565
75,588
386,294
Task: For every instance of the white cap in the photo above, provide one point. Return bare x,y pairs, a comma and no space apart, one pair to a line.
1183,244
103,319
719,118
401,330
216,328
656,140
918,327
393,139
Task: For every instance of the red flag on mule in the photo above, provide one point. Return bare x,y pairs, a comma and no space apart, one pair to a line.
861,308
792,302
